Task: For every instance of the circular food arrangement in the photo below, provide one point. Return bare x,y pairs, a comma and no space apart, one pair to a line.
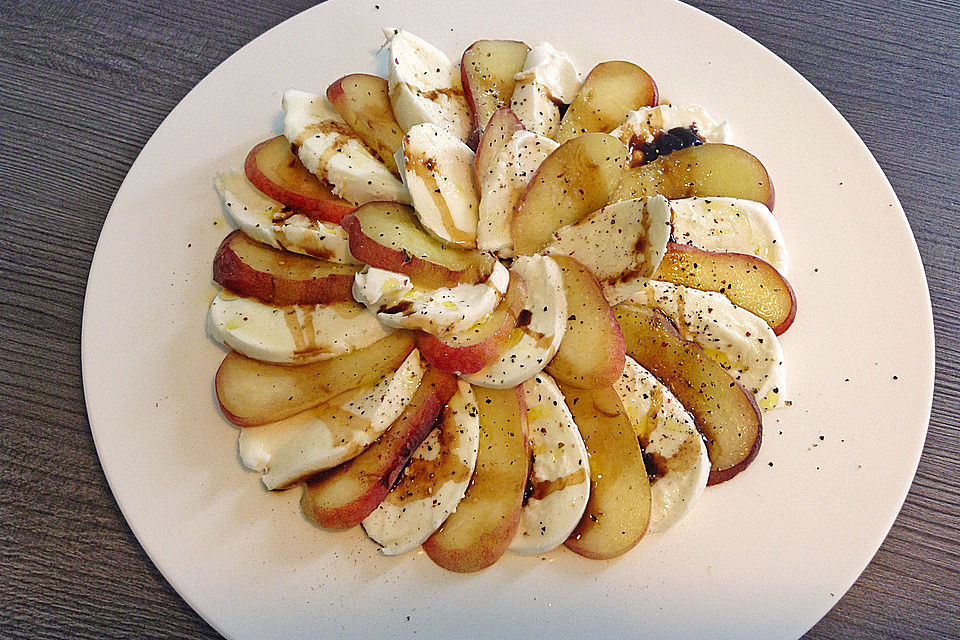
490,306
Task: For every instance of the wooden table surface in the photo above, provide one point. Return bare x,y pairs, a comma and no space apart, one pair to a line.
84,84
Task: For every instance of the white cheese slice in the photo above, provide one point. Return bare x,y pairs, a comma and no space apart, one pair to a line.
329,148
670,440
292,334
425,86
548,78
265,220
399,304
376,288
434,481
560,475
554,70
730,224
533,345
438,172
290,450
622,243
643,125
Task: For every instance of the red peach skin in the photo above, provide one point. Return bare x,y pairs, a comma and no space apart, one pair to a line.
279,277
725,413
276,171
342,497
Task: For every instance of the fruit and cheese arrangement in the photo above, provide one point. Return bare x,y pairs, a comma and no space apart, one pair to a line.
494,306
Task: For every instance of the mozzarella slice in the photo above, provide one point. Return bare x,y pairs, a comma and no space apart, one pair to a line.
329,148
671,445
290,450
294,334
744,344
438,171
425,86
730,224
434,481
270,222
559,482
644,125
548,78
378,288
534,344
398,303
622,244
501,188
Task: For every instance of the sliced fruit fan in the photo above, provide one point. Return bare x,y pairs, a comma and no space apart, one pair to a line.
489,306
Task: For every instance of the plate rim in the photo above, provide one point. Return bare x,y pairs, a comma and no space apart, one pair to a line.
98,258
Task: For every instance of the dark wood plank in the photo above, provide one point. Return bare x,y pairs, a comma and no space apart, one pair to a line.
84,84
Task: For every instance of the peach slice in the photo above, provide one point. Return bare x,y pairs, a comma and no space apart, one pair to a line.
387,235
479,532
343,496
500,128
726,414
363,102
576,179
746,280
278,277
610,91
618,510
592,353
276,171
487,70
433,483
720,170
470,351
251,392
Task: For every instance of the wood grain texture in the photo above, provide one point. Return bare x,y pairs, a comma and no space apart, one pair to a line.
84,84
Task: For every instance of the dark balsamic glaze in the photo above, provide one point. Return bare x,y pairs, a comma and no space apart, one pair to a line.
655,467
523,319
528,490
665,143
400,307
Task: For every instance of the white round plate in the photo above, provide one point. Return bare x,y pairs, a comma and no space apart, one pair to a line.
764,555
